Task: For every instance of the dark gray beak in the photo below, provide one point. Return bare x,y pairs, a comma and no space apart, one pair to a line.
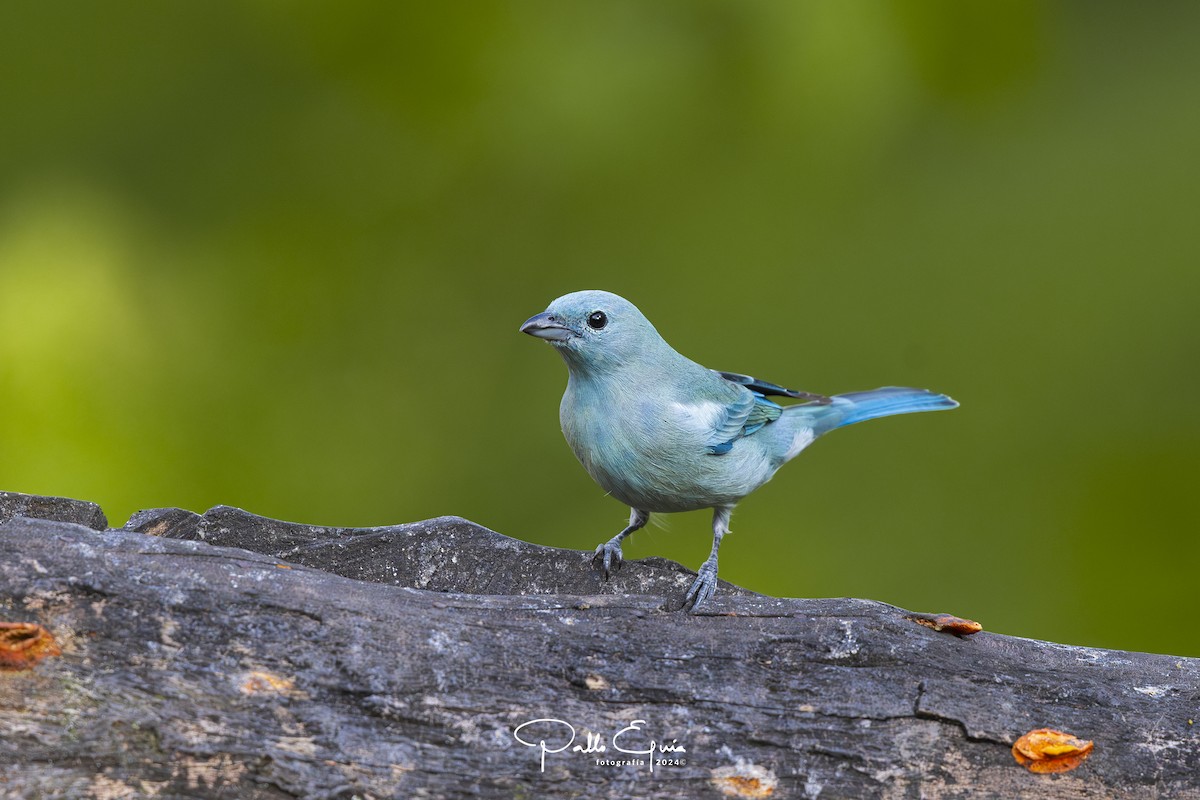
547,326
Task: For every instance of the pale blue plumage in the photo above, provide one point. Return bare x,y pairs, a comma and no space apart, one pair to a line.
661,433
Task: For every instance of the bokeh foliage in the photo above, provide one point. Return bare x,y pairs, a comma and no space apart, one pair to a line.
275,254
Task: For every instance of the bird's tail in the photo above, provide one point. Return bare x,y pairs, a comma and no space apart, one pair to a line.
847,409
888,401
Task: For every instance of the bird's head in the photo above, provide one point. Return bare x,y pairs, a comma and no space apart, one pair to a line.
595,330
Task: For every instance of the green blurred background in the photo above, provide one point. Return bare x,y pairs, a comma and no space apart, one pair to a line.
275,255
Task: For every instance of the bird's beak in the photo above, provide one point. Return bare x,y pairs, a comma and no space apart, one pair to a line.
547,326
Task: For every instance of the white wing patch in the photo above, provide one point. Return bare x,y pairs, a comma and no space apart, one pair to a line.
803,438
702,417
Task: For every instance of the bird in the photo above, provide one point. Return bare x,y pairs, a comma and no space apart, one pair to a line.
663,434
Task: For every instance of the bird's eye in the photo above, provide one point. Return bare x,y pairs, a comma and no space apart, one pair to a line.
597,320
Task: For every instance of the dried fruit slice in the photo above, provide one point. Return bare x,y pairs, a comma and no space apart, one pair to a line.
948,623
1046,750
23,644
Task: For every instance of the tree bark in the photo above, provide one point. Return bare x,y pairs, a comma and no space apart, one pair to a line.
227,655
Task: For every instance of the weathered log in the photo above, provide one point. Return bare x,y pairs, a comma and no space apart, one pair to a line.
224,657
62,509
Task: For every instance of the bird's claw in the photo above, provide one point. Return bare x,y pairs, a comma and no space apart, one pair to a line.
704,587
608,559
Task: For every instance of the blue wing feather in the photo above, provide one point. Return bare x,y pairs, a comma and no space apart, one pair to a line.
743,417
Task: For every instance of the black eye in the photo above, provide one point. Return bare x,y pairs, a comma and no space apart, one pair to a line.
597,320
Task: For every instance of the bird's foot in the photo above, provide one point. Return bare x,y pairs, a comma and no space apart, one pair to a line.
704,587
608,558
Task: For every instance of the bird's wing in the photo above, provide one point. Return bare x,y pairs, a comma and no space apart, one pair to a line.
743,417
768,388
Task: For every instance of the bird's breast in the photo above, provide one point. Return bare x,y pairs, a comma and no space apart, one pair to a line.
654,455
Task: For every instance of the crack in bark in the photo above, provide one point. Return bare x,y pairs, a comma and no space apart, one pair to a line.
920,713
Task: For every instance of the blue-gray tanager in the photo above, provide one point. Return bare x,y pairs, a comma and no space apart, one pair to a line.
661,433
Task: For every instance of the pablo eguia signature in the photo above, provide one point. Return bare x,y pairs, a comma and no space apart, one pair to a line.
551,735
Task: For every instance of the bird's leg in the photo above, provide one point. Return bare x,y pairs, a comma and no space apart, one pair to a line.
608,555
705,584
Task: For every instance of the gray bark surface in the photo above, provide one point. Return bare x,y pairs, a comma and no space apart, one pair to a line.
227,655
